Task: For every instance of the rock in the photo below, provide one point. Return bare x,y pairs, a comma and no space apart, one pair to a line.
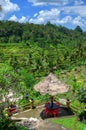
30,123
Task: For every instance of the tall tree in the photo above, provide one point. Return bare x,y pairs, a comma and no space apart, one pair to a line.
78,29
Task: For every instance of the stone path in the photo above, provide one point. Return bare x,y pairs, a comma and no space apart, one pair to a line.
45,124
48,125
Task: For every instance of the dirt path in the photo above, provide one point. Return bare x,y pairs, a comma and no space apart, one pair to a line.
45,124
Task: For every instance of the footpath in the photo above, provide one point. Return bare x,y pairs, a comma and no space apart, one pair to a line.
43,124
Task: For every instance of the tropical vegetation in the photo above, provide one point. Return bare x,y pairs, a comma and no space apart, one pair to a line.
29,52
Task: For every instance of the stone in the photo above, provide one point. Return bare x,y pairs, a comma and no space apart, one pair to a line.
30,123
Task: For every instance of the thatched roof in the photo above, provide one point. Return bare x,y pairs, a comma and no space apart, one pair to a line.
51,85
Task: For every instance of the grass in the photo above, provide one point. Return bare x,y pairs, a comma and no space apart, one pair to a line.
21,128
71,122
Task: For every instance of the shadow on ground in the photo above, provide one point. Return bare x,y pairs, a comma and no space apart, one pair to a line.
63,112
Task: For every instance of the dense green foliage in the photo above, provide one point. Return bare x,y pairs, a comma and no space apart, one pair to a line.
7,124
29,52
43,35
81,95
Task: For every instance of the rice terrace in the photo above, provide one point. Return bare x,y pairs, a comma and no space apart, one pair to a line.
42,65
